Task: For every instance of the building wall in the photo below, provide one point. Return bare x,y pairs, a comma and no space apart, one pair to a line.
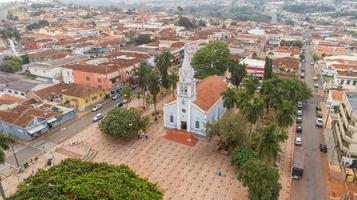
82,103
216,112
67,75
199,116
95,80
50,73
170,109
15,131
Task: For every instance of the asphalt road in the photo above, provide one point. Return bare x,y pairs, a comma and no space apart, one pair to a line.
313,185
57,136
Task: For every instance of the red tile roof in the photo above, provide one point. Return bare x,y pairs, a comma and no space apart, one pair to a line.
337,95
209,91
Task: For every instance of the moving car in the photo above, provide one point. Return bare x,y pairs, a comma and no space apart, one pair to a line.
299,129
299,120
323,148
298,141
316,85
97,107
319,122
97,117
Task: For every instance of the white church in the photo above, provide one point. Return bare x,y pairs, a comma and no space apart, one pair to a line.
197,102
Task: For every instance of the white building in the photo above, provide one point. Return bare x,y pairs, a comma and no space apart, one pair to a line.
197,102
254,67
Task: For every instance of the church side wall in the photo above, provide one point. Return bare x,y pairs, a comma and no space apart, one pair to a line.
216,112
197,116
168,111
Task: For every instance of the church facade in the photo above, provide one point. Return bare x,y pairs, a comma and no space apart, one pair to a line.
197,102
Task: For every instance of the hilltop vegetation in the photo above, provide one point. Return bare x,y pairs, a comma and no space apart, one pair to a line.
308,8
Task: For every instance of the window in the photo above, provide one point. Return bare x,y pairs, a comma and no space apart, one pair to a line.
22,94
183,110
67,73
342,82
87,78
16,92
9,91
348,82
183,101
171,118
197,124
354,82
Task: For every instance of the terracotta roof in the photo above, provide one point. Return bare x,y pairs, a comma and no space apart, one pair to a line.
209,91
286,62
97,69
23,115
337,95
347,73
52,90
10,99
81,91
48,54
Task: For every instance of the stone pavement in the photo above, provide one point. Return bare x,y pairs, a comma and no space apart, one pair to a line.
285,164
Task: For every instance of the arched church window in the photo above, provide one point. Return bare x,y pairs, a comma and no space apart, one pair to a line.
197,125
171,118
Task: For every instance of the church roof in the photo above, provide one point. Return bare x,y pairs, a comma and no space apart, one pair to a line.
209,91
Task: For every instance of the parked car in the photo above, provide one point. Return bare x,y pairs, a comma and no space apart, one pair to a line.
299,129
318,114
298,141
97,107
299,105
316,78
299,120
299,113
303,69
312,63
97,117
120,104
302,75
323,148
318,108
115,97
316,85
319,122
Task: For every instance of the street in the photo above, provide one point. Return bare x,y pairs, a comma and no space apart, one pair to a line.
313,185
56,136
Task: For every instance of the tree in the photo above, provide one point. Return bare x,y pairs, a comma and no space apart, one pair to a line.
268,143
142,74
201,23
211,59
76,179
123,122
285,114
25,59
241,155
37,25
11,64
163,62
261,180
315,57
11,16
125,92
185,22
10,33
254,55
251,84
230,98
142,39
289,22
238,72
253,111
5,142
231,129
173,79
302,56
268,68
154,84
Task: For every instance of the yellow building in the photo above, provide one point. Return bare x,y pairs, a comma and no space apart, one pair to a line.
82,96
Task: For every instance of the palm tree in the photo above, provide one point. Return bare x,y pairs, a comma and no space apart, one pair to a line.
268,143
251,84
154,84
253,111
173,78
163,62
230,98
243,98
5,142
142,77
285,114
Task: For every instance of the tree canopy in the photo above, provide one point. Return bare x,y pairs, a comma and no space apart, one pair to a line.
37,25
142,39
75,179
10,33
185,22
238,72
123,122
241,155
211,59
262,181
11,64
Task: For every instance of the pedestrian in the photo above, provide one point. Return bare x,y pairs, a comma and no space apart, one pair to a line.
219,173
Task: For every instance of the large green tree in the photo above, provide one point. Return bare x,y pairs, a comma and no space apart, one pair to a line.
142,39
253,111
11,64
173,79
5,142
211,59
251,84
10,33
261,180
185,22
231,129
268,68
142,73
285,114
75,179
241,155
230,98
154,84
163,62
268,142
123,122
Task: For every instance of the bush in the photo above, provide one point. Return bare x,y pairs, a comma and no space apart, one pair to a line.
142,39
241,155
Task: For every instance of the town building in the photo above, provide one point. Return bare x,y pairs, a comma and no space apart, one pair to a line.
197,102
254,67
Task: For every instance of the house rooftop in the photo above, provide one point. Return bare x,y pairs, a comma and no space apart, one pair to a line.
21,85
81,91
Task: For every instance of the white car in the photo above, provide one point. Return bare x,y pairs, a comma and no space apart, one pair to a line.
97,117
97,107
299,113
316,78
319,122
316,85
298,141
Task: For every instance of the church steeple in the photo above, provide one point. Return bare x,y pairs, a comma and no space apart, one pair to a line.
187,84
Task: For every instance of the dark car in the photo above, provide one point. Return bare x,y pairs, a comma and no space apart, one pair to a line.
318,108
299,120
120,104
318,114
323,148
299,129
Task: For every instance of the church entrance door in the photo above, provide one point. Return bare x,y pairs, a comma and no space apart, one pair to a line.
183,125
